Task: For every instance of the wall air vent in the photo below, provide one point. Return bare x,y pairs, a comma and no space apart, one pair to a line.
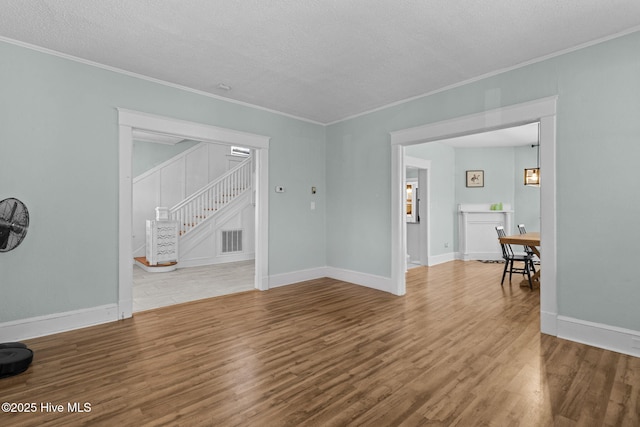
240,151
231,241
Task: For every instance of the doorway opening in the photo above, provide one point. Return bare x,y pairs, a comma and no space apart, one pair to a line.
417,224
132,120
168,171
543,111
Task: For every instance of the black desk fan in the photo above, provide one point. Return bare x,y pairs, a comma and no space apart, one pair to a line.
15,357
14,222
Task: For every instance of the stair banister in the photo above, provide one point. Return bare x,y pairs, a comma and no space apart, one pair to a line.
212,197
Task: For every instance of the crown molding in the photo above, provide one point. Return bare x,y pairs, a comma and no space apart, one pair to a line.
150,79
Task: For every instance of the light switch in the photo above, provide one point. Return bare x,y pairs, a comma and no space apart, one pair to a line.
313,205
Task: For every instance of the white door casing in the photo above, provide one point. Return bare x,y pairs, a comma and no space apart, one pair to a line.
128,121
541,110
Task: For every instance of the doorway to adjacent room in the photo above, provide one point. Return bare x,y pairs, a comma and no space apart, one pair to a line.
130,120
543,111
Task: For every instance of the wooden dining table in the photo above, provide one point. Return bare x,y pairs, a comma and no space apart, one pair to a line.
531,239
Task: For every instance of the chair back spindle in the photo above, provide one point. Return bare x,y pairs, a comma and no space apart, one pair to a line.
522,229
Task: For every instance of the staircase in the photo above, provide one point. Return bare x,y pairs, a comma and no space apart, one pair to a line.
212,198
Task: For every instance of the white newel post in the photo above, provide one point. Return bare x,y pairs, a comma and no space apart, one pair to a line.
162,238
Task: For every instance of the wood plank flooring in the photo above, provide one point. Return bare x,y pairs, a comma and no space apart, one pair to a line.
457,350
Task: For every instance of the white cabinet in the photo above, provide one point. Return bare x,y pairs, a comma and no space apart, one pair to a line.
478,239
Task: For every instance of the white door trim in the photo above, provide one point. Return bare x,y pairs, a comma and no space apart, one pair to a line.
129,120
542,110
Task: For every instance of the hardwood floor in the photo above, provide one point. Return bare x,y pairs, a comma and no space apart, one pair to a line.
456,350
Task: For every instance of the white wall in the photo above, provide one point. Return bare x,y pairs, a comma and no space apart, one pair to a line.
174,180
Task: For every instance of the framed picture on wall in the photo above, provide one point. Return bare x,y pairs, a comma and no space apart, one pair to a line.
475,178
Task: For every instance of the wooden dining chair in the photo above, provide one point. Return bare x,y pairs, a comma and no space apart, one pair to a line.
522,229
510,257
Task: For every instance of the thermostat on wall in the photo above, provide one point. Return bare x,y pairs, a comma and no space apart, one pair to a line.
279,189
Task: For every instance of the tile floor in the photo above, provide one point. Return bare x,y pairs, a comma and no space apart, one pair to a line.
153,290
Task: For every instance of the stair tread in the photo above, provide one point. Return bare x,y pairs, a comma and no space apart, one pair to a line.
143,260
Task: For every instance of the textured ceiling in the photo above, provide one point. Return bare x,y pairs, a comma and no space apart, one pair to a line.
323,60
508,137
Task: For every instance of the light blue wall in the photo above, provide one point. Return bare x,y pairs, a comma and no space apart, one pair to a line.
59,149
527,199
503,182
598,130
497,164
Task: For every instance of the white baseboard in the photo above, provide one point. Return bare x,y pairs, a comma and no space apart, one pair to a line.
621,340
59,322
201,262
277,280
442,258
549,323
363,279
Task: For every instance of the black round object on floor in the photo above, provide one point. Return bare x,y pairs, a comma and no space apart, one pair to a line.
15,358
12,345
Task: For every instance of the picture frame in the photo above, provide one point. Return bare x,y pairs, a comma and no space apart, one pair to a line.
475,178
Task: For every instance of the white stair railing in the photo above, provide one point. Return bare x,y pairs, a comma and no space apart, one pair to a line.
211,198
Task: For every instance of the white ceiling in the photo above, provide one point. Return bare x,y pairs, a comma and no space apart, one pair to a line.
508,137
322,60
159,138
